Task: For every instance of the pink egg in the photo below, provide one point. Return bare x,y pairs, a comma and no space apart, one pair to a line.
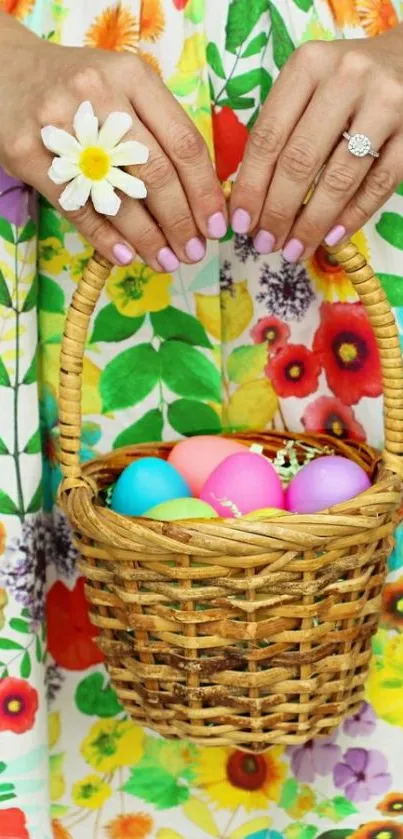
324,482
197,457
242,483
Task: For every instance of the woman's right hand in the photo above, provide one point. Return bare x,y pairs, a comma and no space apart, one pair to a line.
44,84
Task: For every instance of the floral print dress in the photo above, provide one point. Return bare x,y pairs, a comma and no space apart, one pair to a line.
240,341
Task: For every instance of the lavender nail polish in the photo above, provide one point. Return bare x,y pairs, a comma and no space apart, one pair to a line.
217,226
167,259
335,235
123,254
241,221
264,242
293,250
195,250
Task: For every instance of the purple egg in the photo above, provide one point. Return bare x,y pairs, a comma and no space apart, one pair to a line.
324,482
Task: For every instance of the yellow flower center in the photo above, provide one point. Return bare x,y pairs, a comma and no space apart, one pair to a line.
399,608
94,163
294,371
348,352
337,428
384,834
14,706
397,805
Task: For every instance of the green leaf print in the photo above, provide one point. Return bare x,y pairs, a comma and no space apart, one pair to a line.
148,428
255,45
20,625
7,796
300,830
36,501
34,443
156,786
27,232
289,793
111,326
194,11
341,833
188,417
244,83
51,224
32,373
4,377
50,295
173,323
214,60
304,5
5,296
390,227
3,447
336,809
7,508
6,231
182,85
189,373
32,297
283,46
243,16
25,666
129,377
239,103
246,363
392,285
95,697
266,83
8,644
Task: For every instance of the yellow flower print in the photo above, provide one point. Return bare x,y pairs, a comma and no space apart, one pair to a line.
252,406
329,278
138,289
54,729
18,8
3,604
2,538
111,744
227,315
57,780
231,778
193,56
91,792
52,252
152,20
130,826
385,682
114,29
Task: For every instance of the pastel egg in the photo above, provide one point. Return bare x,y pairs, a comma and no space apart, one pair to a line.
242,483
324,482
197,457
181,508
267,513
145,483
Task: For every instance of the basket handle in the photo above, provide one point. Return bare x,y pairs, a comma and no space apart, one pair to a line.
88,293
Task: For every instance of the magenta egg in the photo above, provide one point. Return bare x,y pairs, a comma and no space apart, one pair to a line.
324,482
241,483
197,457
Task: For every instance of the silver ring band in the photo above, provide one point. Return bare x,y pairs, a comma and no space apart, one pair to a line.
359,145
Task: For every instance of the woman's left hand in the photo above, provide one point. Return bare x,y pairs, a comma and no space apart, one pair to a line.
324,89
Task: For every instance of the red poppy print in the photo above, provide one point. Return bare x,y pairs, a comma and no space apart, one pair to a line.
294,371
18,706
180,4
230,136
272,331
346,347
13,824
328,415
70,632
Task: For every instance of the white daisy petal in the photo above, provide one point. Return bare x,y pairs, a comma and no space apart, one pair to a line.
86,125
60,142
62,170
105,199
76,194
133,187
116,125
129,154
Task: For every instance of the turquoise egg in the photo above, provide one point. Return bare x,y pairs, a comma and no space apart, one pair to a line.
146,483
181,508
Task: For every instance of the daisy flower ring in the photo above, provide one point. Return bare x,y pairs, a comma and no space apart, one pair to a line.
89,162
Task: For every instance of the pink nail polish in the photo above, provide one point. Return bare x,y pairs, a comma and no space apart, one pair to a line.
335,235
264,242
293,250
123,254
195,250
217,226
241,221
168,260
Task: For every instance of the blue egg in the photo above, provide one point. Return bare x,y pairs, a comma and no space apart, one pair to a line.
146,483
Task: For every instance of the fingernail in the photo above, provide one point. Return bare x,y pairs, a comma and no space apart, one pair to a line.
241,221
195,250
264,242
335,235
168,260
123,254
217,226
293,250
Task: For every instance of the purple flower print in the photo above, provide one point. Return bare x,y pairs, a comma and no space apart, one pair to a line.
17,201
362,723
316,757
362,773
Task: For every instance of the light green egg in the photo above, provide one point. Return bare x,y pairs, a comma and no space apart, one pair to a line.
181,508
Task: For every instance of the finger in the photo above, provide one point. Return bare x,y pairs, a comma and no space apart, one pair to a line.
340,180
281,112
185,148
137,226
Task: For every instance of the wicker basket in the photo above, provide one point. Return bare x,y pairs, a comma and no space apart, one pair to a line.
236,632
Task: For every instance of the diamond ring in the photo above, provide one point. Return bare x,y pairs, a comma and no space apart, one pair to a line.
359,145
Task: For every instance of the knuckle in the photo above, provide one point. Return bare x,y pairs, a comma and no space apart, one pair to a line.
391,93
148,238
311,53
356,213
159,173
299,159
182,224
51,110
275,218
186,142
355,63
87,82
310,230
22,148
338,179
379,183
265,140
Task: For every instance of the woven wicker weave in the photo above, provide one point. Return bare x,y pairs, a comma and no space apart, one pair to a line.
234,631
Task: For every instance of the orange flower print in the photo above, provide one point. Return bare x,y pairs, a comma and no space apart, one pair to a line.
60,832
344,12
151,60
18,8
376,16
392,804
378,830
130,826
392,612
114,29
152,20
